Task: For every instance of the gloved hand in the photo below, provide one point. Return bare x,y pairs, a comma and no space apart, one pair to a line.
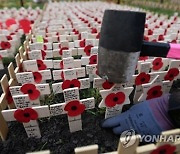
146,118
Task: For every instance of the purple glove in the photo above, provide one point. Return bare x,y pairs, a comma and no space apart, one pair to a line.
147,118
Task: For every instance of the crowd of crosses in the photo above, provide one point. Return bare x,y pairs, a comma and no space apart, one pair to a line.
60,54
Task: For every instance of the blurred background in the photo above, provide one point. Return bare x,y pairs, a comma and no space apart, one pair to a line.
159,6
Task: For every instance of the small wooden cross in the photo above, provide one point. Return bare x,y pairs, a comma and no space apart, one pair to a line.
73,107
114,99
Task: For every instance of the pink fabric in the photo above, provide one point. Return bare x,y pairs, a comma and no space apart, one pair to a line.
174,51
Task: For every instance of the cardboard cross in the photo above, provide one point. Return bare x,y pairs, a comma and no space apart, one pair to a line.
72,104
114,99
31,127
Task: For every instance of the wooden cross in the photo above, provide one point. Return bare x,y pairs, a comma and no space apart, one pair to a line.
28,94
36,65
155,88
114,99
73,107
28,116
34,77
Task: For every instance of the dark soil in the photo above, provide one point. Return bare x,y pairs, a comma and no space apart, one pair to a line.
57,138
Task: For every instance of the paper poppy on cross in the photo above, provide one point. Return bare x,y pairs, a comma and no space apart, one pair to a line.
37,77
25,115
31,90
157,64
171,74
164,149
142,78
73,107
5,45
107,84
87,49
154,92
71,84
93,59
114,99
41,65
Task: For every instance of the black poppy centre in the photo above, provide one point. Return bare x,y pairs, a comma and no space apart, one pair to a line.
115,99
26,115
74,108
163,151
71,86
143,79
30,91
155,92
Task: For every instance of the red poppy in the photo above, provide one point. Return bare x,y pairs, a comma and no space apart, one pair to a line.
107,84
43,53
41,65
9,37
146,38
93,59
171,74
61,50
62,75
37,77
82,43
45,40
71,84
150,32
74,108
10,22
142,78
25,115
5,45
114,98
157,63
31,90
9,96
143,58
154,92
161,38
25,25
45,47
98,36
61,65
87,49
93,30
79,36
164,149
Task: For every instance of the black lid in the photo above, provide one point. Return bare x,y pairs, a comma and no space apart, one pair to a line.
122,30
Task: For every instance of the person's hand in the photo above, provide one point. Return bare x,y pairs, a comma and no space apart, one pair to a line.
147,118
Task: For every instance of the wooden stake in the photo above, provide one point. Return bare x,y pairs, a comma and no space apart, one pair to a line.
3,127
91,149
122,149
11,71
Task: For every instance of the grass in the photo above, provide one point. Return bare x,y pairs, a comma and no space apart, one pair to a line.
17,4
157,10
